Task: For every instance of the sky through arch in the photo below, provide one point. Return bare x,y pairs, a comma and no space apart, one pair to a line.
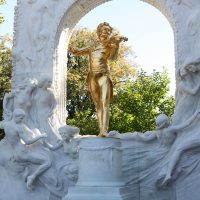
148,30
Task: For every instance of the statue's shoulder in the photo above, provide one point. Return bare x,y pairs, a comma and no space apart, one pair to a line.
7,125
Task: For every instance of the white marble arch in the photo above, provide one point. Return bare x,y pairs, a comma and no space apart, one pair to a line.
43,27
42,31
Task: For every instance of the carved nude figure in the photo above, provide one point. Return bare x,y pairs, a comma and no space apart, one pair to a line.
191,143
42,110
43,13
16,132
41,47
25,60
161,133
67,133
99,80
19,98
166,135
187,94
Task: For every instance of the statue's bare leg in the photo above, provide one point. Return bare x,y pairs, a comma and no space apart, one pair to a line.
100,89
174,160
25,174
106,98
95,92
34,158
105,89
103,96
176,157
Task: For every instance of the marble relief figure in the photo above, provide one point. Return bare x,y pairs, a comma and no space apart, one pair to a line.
25,60
35,138
20,97
43,110
15,131
186,115
44,13
187,95
163,134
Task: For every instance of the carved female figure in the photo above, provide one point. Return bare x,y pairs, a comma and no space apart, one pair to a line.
42,112
187,95
189,143
186,113
19,98
44,12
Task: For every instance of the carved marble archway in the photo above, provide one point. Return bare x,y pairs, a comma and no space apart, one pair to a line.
43,27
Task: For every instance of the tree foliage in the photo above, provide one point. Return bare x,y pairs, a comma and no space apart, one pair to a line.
5,70
1,17
140,101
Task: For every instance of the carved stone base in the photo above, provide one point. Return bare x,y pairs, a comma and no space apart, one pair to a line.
100,171
100,193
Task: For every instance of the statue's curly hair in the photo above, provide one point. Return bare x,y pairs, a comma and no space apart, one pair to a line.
99,27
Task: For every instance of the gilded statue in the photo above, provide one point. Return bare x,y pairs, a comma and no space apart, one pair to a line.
99,79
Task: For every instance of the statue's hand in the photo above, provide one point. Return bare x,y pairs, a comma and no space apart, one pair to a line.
7,114
125,39
43,135
183,72
198,114
118,38
34,83
73,50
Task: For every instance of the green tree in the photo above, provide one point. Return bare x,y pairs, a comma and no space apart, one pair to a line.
140,101
5,70
1,17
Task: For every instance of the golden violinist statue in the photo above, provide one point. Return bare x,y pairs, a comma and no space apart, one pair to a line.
99,80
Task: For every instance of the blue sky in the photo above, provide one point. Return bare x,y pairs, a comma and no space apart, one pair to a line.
149,32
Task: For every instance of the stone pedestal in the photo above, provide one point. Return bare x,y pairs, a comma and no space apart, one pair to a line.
100,171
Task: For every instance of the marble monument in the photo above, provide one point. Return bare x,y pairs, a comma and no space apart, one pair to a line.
42,158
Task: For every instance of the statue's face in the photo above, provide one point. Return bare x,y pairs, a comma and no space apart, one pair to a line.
48,83
63,135
105,33
45,83
19,118
162,124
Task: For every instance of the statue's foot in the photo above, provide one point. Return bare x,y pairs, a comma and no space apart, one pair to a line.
103,135
29,183
25,174
166,181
